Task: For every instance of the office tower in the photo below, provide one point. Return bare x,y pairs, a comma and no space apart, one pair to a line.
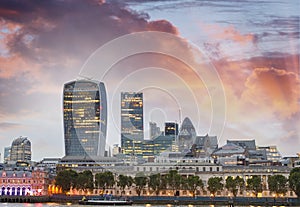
154,130
187,135
132,123
171,128
85,118
20,150
131,147
7,154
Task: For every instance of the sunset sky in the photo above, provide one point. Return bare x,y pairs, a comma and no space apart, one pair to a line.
246,54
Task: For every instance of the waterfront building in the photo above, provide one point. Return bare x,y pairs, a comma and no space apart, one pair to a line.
7,154
93,163
204,146
272,154
85,118
132,121
247,144
297,163
230,154
290,161
49,165
21,182
171,128
20,150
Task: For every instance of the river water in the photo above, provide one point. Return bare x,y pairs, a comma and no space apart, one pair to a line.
76,205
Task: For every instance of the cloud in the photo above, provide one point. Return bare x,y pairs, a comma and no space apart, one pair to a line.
44,44
229,33
9,125
273,89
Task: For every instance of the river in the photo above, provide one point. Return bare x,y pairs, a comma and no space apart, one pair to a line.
76,205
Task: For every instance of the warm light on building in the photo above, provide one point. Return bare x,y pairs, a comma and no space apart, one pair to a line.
85,117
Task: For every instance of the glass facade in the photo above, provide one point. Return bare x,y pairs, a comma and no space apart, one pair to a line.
132,123
147,148
20,150
171,128
85,118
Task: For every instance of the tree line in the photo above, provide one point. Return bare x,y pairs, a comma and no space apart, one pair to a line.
277,184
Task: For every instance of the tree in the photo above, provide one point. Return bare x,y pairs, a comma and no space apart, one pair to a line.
215,185
66,179
254,184
156,183
85,180
140,182
234,184
278,184
294,180
173,180
124,181
104,180
193,182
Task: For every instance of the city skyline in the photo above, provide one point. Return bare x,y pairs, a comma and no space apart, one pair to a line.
253,47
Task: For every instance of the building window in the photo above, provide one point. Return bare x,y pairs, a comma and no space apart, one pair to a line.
204,169
137,169
210,169
218,169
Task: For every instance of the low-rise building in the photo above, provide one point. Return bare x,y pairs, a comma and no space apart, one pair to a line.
22,182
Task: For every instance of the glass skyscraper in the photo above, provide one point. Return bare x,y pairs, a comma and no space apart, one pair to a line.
20,150
132,123
85,118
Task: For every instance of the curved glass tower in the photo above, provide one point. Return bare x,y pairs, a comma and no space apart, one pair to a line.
85,118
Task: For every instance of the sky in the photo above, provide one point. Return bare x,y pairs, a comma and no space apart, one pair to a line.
232,67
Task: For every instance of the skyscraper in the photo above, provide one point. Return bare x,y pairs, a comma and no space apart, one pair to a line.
154,130
171,128
7,154
187,135
20,150
132,123
85,118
